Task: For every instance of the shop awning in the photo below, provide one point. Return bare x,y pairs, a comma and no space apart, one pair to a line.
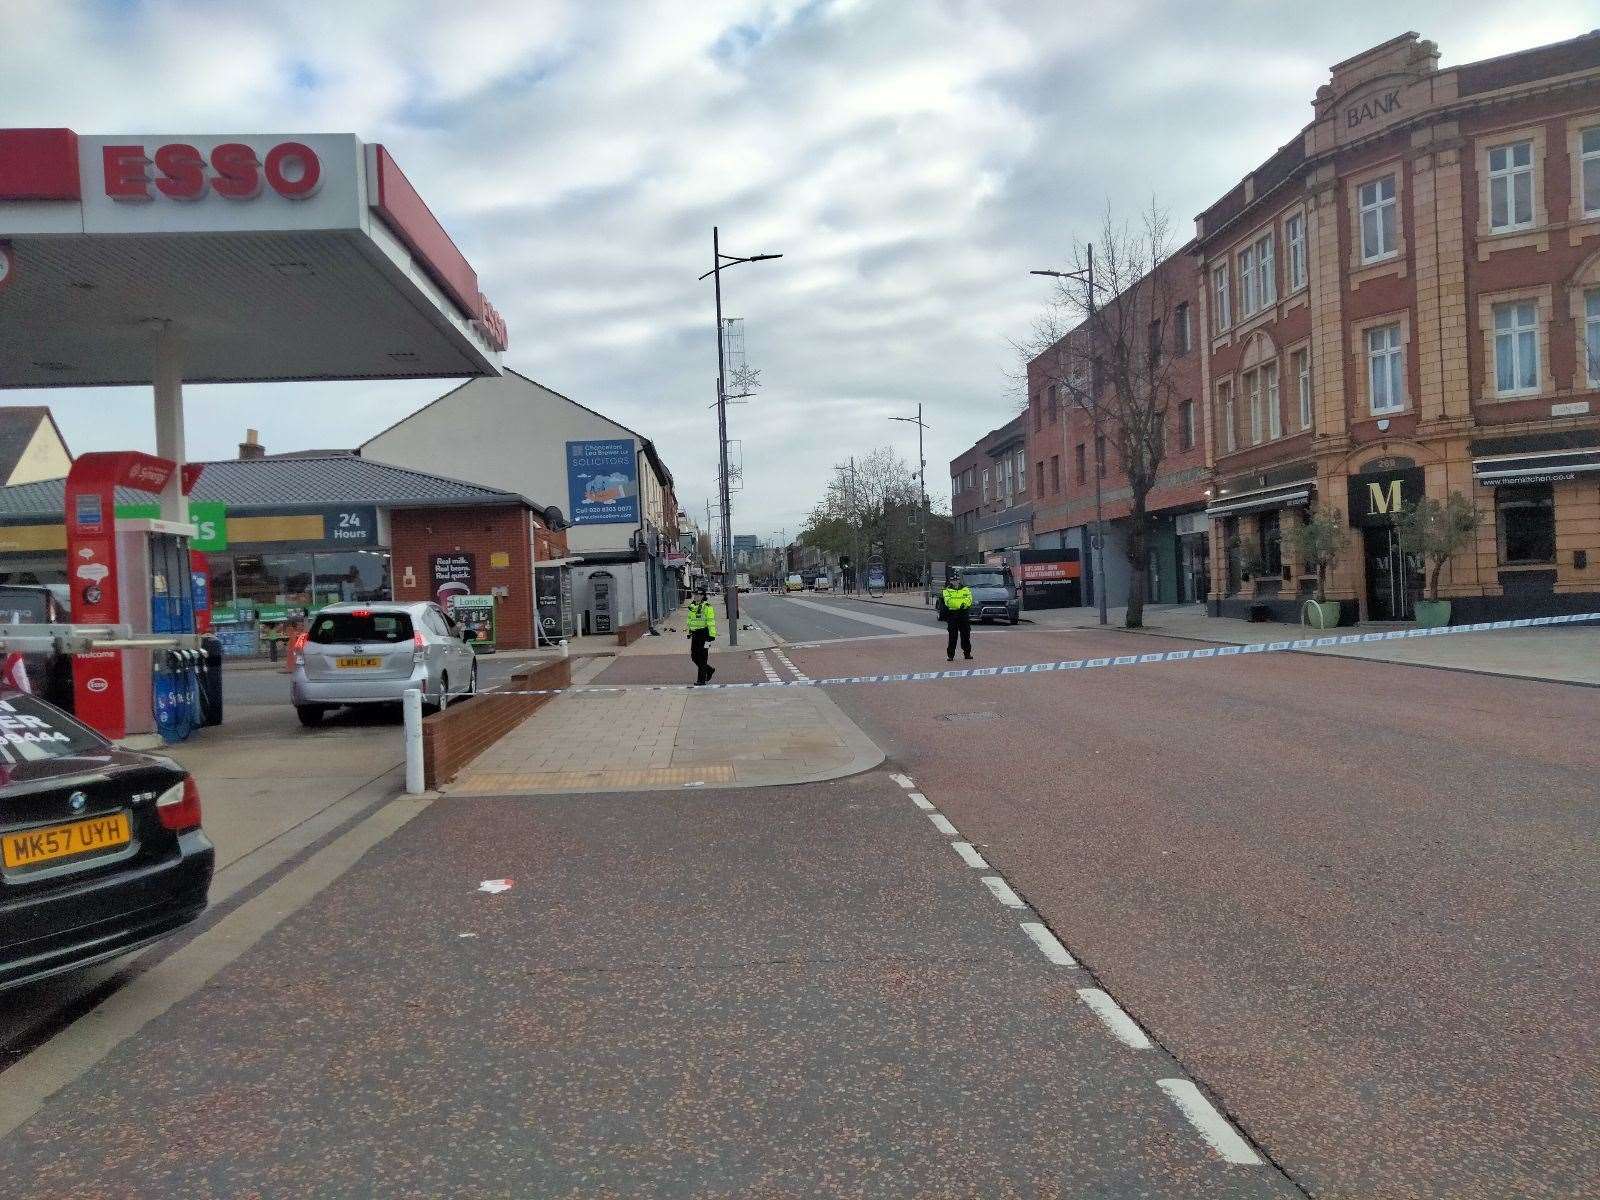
1249,502
1549,466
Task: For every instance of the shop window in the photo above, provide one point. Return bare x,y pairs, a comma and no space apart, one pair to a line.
1511,186
219,571
1270,544
1526,520
352,575
1378,233
1385,367
1516,348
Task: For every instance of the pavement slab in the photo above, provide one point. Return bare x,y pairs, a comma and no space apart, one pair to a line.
1356,898
743,994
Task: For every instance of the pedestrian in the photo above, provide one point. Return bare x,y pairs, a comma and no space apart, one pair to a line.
702,627
955,605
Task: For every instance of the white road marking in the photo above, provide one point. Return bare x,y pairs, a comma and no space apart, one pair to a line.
766,668
942,824
969,856
796,671
1211,1124
921,801
1002,890
1120,1024
903,782
1048,944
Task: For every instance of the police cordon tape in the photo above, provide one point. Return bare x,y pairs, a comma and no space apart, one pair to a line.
1081,664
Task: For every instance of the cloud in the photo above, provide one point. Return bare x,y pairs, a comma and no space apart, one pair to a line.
911,161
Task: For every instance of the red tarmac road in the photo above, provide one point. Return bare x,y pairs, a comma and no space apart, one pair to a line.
1356,899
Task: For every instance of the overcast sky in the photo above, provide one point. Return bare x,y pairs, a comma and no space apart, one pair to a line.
911,160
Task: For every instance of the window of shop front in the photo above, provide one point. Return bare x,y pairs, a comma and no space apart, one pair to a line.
352,575
305,581
1270,544
1377,219
1591,334
1591,172
219,572
1232,559
1516,348
1385,366
1511,186
1294,235
1526,520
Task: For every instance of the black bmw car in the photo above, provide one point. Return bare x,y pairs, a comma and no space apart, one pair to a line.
101,850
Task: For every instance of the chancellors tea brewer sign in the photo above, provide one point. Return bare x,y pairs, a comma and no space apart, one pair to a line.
603,482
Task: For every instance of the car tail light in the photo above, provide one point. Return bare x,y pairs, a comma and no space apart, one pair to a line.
299,643
179,806
360,612
419,648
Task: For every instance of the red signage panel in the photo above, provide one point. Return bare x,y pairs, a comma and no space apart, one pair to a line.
39,164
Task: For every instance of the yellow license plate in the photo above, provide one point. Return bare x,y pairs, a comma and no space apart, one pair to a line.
63,841
358,662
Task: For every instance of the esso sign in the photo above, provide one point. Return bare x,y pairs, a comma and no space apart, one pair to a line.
178,171
97,684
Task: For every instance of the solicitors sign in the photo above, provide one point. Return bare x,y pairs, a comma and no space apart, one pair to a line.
603,482
1378,497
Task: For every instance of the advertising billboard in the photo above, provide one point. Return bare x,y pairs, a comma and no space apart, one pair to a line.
603,482
1050,579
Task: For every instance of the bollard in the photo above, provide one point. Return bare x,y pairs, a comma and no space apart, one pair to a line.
415,781
565,650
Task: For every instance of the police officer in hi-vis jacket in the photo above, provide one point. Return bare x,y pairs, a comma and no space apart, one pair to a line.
955,605
702,627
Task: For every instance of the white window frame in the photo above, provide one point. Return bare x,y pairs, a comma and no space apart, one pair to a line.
1252,398
1506,177
986,485
1377,208
1270,393
1294,236
1266,272
1221,295
1229,421
1247,282
1514,340
1589,160
1303,382
1392,357
1591,334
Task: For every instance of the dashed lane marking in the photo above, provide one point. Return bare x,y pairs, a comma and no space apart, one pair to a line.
942,824
1121,1025
1211,1125
903,782
794,670
921,801
969,856
1048,944
766,668
1002,890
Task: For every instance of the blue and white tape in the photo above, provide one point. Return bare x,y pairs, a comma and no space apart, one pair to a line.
1088,664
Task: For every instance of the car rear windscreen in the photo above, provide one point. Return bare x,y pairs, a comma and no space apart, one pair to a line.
31,730
375,627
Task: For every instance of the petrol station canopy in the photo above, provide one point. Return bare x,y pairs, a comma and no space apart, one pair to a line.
273,257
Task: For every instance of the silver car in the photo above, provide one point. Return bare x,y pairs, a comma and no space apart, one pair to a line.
372,653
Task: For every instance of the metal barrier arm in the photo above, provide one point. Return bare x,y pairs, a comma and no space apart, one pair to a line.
80,639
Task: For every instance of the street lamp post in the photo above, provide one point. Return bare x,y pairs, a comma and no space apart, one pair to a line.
730,587
922,515
1087,276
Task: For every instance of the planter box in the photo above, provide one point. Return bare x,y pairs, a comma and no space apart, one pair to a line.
1324,615
1433,613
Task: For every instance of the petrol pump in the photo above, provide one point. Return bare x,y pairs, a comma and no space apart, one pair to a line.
133,574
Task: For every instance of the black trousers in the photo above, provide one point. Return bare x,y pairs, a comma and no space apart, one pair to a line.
700,653
960,622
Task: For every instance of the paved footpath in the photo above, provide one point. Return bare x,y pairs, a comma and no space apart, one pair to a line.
775,993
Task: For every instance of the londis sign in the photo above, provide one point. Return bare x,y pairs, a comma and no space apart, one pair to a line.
135,174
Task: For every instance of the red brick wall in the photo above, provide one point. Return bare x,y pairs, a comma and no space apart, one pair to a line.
416,534
453,738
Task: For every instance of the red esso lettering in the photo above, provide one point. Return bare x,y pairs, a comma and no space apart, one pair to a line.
126,178
238,174
96,685
182,172
293,170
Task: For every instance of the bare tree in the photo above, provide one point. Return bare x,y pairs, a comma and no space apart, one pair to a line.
1109,350
873,511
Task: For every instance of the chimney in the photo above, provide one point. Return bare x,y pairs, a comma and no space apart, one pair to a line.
251,447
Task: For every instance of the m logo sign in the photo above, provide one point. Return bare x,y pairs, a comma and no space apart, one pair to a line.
1376,498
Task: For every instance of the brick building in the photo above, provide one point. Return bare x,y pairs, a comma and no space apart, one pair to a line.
990,510
1405,300
1065,451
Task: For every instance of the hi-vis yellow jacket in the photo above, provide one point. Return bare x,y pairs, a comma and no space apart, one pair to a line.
956,599
702,616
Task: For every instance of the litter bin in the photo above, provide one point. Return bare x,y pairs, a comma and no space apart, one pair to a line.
211,681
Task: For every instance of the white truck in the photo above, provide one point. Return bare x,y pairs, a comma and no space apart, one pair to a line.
742,581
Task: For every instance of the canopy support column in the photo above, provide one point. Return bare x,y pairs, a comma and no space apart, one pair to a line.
168,377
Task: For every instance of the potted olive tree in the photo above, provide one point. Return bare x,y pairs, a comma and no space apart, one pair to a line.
1318,542
1436,531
